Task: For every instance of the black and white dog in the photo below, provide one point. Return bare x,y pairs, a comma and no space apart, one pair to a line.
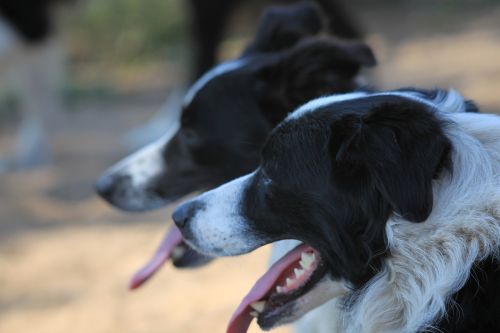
32,59
396,197
227,115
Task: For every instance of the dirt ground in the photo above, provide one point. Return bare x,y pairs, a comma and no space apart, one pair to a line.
66,257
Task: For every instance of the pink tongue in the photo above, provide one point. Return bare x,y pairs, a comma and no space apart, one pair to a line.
171,240
240,321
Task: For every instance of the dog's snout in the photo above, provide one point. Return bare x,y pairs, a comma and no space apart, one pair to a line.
184,213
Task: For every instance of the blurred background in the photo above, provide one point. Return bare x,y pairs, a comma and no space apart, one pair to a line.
66,256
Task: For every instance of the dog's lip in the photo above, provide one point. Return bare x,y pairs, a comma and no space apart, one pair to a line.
171,241
264,290
185,257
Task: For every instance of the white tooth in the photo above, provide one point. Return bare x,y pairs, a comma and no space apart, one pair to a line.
298,272
280,289
307,256
288,282
258,306
307,259
254,314
306,265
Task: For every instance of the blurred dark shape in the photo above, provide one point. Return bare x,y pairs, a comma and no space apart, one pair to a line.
30,18
209,20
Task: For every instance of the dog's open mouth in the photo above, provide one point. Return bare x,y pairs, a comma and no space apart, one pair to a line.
172,248
273,295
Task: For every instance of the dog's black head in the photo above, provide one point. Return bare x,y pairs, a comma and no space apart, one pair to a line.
332,175
228,112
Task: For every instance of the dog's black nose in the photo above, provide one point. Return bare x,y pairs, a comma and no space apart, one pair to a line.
105,186
183,213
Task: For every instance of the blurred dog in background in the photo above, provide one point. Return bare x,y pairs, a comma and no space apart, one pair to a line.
228,113
31,59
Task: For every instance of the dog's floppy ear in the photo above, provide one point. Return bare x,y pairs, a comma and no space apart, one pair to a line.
315,67
399,148
282,27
